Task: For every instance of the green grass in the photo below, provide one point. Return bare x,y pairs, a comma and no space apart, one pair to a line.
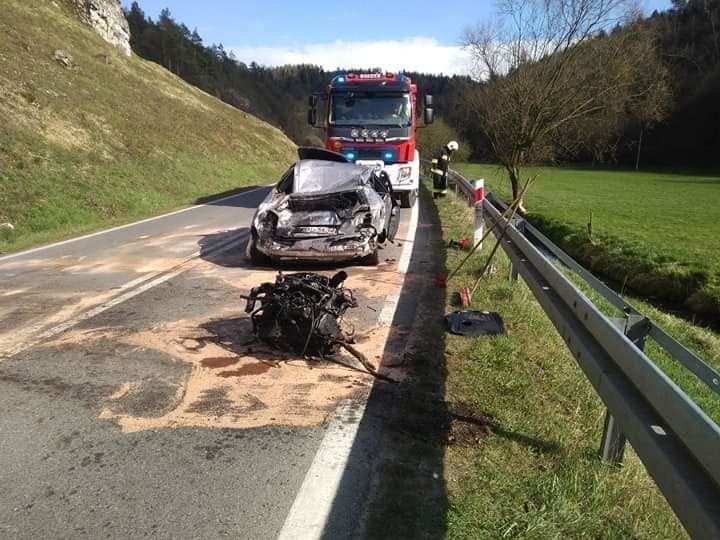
653,233
112,139
534,472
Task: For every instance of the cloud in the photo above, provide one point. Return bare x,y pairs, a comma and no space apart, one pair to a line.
411,54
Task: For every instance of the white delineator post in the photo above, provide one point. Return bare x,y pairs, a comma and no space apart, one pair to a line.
479,197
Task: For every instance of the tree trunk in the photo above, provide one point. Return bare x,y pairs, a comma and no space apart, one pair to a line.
637,157
514,173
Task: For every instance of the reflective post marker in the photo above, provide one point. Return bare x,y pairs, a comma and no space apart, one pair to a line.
479,197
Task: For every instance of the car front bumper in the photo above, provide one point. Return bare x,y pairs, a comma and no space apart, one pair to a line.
328,248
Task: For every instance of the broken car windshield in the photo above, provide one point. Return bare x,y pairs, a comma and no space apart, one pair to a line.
370,108
314,176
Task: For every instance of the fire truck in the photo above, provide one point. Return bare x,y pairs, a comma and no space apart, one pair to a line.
372,119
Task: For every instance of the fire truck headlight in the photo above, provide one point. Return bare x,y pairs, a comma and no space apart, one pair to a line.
354,133
365,133
384,133
404,173
374,133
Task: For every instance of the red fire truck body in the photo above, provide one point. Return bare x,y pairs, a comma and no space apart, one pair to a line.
372,119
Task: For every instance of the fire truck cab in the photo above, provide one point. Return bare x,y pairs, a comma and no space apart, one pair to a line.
372,119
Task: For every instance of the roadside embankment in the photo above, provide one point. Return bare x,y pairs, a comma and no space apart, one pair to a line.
91,137
521,457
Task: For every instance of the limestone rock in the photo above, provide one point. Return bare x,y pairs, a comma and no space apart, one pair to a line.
107,19
64,58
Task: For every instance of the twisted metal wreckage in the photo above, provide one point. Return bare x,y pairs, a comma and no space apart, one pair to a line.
325,209
302,313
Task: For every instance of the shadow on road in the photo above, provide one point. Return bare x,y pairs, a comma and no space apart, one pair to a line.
401,438
232,257
250,200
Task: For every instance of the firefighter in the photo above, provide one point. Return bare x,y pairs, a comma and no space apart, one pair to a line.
439,168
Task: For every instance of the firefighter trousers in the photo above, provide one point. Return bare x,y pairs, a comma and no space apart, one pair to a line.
439,184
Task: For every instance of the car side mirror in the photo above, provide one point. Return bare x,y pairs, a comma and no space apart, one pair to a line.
429,115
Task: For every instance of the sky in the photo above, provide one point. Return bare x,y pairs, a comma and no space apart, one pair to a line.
416,36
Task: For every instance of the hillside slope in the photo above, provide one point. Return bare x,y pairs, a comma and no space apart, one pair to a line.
109,138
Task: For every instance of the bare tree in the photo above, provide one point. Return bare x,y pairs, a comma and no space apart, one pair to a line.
545,65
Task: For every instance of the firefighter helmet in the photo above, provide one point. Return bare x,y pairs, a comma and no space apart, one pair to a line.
452,146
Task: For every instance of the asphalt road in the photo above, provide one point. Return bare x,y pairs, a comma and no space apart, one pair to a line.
132,403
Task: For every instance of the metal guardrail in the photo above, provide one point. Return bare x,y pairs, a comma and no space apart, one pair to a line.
677,442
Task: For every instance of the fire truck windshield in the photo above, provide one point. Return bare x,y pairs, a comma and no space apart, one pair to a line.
370,108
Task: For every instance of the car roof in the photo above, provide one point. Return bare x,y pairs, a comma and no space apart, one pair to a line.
312,152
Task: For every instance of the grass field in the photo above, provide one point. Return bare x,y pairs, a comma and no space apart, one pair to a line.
112,138
657,234
528,467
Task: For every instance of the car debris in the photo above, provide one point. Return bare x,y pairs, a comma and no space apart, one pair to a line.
463,243
302,313
475,323
325,209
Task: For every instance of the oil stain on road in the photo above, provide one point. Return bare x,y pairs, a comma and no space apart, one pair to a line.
230,380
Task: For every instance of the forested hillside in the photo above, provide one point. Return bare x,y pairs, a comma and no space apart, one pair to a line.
688,136
275,94
689,39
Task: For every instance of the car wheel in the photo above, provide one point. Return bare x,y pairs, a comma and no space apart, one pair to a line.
257,258
408,198
371,260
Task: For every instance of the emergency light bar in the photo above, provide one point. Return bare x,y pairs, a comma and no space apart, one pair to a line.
367,76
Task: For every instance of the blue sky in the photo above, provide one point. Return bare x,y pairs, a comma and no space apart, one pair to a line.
391,35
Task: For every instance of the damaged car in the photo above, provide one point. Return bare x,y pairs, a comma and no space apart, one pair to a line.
325,208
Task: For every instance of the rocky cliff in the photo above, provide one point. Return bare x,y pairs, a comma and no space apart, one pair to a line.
108,20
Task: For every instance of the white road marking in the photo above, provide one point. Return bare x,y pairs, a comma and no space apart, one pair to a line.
404,262
147,283
323,477
311,508
127,225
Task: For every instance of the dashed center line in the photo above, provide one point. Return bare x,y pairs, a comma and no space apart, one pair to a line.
130,290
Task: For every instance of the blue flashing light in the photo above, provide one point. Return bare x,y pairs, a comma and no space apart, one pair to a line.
350,156
388,156
340,80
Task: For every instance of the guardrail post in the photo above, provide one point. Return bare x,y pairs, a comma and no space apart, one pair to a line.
513,273
478,199
612,444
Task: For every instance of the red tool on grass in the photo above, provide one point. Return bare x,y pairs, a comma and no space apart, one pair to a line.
507,215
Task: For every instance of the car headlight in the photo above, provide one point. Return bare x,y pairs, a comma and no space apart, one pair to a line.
405,173
266,220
